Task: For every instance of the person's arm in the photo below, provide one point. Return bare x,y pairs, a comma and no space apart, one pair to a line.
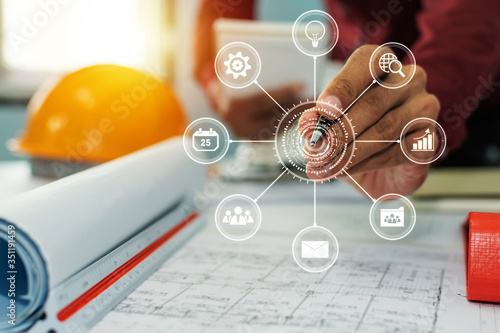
378,165
250,116
204,42
457,54
459,48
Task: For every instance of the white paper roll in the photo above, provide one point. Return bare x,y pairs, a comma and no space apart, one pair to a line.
76,220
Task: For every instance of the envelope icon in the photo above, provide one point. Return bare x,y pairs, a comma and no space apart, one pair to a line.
315,249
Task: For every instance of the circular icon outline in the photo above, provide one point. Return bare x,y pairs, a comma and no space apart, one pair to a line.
226,133
343,119
246,198
333,237
257,61
413,222
329,17
442,148
412,59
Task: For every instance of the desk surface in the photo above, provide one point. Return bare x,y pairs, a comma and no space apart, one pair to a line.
416,284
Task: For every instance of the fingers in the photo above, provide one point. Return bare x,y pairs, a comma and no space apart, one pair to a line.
389,157
372,106
378,115
323,170
353,81
308,119
353,78
375,112
389,127
370,156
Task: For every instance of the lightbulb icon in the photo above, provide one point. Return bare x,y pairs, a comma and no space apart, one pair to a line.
313,30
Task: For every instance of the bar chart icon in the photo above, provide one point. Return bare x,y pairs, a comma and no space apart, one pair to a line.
425,142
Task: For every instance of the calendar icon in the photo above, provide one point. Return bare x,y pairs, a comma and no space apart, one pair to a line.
205,140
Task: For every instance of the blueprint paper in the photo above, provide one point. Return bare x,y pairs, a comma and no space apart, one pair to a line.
214,285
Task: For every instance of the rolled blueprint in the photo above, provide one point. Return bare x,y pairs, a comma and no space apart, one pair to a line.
63,227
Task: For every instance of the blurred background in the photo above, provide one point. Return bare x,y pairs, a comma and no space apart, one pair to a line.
46,38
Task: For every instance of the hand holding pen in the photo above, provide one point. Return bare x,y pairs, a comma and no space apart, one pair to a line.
378,117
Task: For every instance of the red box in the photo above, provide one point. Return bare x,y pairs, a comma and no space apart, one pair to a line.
482,257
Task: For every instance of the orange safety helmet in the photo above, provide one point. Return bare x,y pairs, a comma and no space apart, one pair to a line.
97,114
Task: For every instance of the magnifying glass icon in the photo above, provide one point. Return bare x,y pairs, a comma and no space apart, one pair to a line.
399,66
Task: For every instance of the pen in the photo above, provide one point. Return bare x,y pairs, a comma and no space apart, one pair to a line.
320,130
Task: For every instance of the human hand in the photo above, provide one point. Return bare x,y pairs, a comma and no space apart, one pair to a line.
380,114
252,117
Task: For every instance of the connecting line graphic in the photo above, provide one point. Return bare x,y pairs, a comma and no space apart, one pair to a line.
286,133
264,90
231,141
396,141
371,84
360,186
314,84
257,199
314,221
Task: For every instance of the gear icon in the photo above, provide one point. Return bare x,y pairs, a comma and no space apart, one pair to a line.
237,65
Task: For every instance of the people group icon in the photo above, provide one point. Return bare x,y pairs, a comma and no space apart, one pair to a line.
237,218
392,219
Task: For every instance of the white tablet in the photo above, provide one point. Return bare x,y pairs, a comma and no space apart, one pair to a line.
282,62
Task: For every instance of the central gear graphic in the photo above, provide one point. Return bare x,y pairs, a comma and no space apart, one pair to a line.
329,158
237,65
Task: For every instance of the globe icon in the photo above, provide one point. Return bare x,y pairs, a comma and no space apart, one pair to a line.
385,62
